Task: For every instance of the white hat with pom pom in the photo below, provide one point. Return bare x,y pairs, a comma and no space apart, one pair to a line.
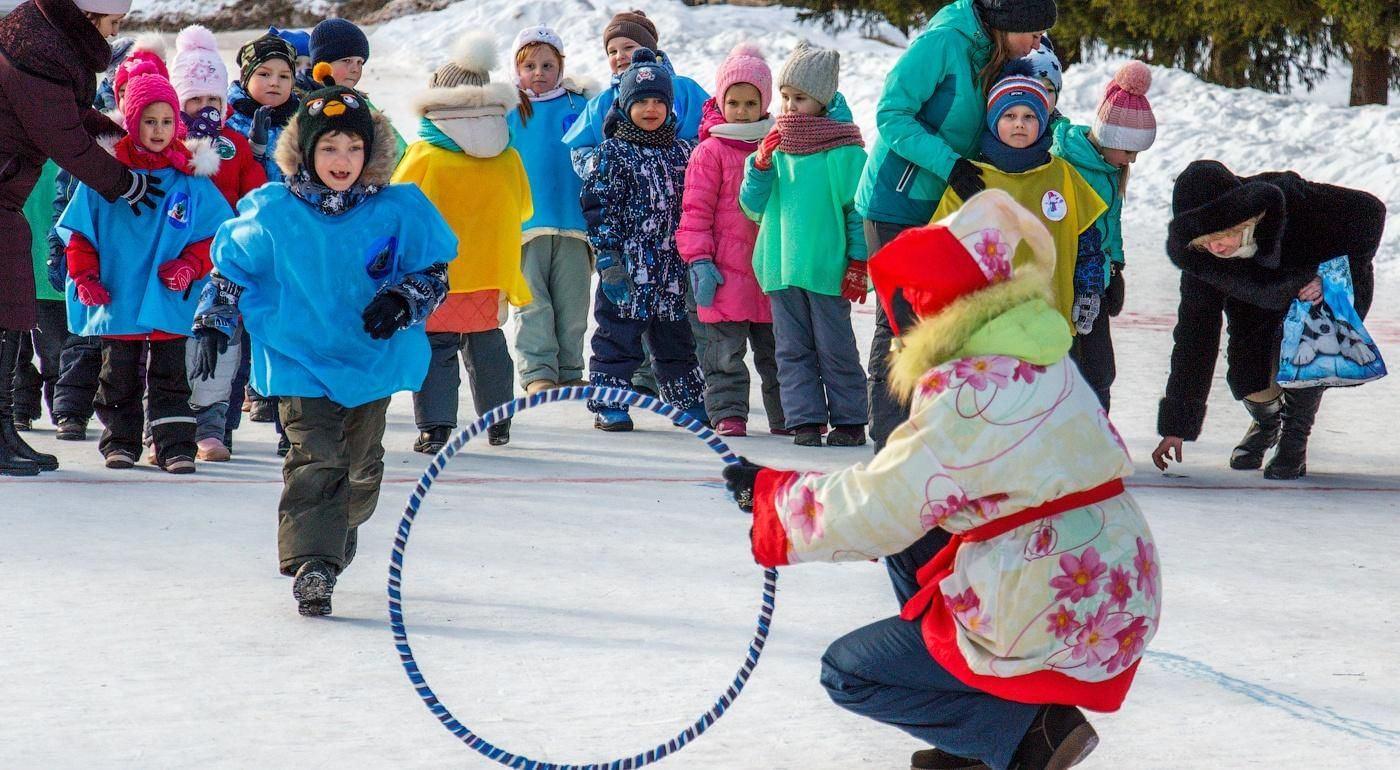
1124,120
198,69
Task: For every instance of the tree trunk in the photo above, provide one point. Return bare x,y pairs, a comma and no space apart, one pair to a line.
1370,75
1229,62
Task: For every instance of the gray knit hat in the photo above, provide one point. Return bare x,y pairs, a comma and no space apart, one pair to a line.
470,65
812,70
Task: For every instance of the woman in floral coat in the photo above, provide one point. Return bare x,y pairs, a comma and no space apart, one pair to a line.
1049,591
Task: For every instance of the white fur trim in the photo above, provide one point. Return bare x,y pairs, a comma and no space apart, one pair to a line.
466,97
108,142
583,86
475,53
205,159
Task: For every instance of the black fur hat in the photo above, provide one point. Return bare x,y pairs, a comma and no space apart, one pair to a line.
1208,198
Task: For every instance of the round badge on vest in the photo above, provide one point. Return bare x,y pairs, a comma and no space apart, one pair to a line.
1053,206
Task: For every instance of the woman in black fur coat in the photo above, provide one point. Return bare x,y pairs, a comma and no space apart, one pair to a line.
1247,247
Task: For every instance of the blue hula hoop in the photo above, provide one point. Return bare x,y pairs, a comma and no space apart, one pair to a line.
396,614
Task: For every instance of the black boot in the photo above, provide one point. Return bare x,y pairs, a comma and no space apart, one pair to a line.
12,461
1261,436
1299,411
432,440
1059,738
312,588
938,759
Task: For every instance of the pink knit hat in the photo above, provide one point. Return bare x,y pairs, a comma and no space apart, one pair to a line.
149,50
1124,120
745,64
144,89
197,69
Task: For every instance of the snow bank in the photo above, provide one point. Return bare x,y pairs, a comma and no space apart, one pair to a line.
1248,130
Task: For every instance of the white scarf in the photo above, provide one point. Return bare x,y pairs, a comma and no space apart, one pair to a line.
744,132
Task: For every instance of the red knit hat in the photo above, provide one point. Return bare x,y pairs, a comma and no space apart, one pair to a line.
147,55
1125,120
962,254
144,89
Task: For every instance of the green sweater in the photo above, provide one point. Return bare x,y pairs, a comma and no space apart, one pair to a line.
38,211
808,227
1072,143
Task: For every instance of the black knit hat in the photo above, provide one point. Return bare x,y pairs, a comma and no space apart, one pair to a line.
1017,15
1208,198
336,39
329,109
267,48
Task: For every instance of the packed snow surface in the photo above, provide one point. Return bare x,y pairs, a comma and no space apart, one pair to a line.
578,596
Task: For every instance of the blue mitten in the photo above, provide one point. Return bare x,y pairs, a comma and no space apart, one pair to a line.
705,280
614,277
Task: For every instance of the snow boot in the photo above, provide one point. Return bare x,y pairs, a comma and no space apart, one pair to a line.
539,386
808,435
432,440
71,429
498,434
612,420
1299,411
732,426
263,410
23,423
1261,436
119,460
846,435
312,588
1059,738
14,461
938,759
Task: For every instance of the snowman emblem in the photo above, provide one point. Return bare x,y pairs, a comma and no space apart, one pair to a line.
1053,205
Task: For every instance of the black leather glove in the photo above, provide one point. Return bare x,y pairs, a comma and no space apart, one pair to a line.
142,190
1114,295
212,343
739,480
966,179
385,315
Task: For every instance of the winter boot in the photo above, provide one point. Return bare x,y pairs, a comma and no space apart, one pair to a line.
1059,738
312,588
498,434
432,440
938,759
71,429
1299,411
808,435
13,460
1261,436
539,386
846,435
732,426
23,423
263,410
612,420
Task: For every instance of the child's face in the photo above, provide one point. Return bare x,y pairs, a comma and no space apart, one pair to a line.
347,71
1018,127
620,53
109,25
540,69
742,104
193,105
649,114
1022,43
1054,94
303,63
157,127
1119,158
271,83
797,102
339,160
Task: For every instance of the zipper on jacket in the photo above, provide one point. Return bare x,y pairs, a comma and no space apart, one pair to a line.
909,170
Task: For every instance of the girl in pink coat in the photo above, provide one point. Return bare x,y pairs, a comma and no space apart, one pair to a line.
716,240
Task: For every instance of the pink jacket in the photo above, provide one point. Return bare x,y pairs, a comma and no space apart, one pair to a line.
713,226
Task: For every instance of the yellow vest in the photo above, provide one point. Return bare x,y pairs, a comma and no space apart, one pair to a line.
485,201
1066,204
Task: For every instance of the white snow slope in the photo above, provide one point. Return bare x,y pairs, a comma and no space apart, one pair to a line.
577,596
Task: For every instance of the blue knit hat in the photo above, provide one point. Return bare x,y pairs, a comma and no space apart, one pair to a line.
299,38
1045,65
645,78
1018,87
336,39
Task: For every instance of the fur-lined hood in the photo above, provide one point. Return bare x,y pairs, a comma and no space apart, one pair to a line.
379,168
486,98
473,117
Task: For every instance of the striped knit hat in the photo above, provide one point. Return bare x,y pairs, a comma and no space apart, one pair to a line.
1015,90
1125,120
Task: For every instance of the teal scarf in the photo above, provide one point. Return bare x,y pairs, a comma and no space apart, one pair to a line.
430,133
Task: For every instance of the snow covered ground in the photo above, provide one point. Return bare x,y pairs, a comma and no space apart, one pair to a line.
577,596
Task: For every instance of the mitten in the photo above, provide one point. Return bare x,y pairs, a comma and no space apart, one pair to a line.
739,479
854,285
177,274
966,178
1085,312
705,280
91,292
385,314
1114,296
614,278
764,161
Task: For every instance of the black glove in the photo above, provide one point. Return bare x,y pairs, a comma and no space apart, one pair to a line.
1113,296
966,179
739,480
212,343
142,190
385,315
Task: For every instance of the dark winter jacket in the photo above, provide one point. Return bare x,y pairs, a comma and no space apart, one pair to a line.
1305,224
49,56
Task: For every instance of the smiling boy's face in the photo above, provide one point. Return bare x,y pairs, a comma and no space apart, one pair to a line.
339,159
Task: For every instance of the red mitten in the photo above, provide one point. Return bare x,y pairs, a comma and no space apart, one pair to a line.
764,161
854,285
91,292
177,274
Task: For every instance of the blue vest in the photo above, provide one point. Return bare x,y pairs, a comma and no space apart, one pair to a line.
307,279
131,250
554,187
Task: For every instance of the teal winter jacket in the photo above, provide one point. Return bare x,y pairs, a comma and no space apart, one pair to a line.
1072,143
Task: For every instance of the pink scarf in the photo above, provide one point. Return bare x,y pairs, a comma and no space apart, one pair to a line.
810,134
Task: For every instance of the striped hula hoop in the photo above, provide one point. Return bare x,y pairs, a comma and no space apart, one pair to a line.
415,502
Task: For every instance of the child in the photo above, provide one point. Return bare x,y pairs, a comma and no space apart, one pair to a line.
263,100
301,41
344,46
1047,594
1016,158
463,163
333,271
1102,154
132,275
717,240
555,258
632,202
201,81
810,259
147,50
624,35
